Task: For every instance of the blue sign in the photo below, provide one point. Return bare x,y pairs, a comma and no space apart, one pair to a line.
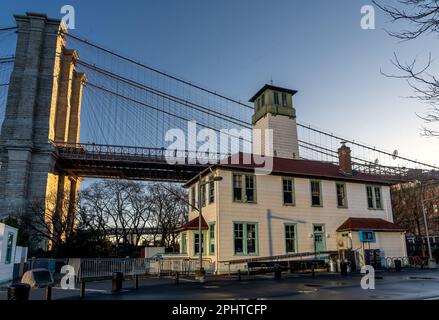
367,236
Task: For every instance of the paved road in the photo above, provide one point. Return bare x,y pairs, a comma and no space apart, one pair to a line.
409,284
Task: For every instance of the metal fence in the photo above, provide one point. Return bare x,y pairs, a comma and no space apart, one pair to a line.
184,266
96,268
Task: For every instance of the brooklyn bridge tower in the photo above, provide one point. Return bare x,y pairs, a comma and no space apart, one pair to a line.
43,105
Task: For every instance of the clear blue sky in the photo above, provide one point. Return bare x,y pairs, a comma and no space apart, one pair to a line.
235,46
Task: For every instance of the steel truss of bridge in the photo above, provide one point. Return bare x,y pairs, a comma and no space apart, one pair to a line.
143,163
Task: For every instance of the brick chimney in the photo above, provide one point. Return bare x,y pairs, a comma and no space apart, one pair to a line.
344,159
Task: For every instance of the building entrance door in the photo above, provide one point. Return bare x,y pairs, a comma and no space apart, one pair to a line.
319,238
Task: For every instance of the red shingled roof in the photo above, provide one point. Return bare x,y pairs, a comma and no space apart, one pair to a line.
374,224
305,168
193,225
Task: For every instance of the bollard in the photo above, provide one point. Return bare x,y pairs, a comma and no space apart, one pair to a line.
18,292
398,265
343,268
82,289
239,275
136,281
116,283
177,278
49,293
277,273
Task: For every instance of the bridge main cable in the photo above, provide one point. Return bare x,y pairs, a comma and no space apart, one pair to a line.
140,64
162,94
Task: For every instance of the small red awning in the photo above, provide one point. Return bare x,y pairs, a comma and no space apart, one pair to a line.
373,224
193,225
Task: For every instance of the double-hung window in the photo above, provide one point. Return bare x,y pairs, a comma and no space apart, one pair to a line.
244,188
183,243
212,238
245,238
211,190
374,197
290,238
288,191
316,193
341,195
276,98
197,243
9,247
284,99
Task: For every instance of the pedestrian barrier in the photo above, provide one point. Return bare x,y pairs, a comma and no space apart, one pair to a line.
390,262
102,268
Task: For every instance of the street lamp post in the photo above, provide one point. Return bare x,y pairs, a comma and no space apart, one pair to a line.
431,261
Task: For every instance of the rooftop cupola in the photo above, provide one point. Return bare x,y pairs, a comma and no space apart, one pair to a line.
274,100
274,111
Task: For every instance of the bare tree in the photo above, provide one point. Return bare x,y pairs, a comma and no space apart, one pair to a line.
407,209
422,18
47,220
127,211
169,211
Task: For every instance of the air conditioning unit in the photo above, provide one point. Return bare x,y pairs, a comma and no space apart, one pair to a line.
342,242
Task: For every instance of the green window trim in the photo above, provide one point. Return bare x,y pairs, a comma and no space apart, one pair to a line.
245,239
314,193
244,187
374,197
9,248
289,237
288,189
212,238
183,243
344,195
203,243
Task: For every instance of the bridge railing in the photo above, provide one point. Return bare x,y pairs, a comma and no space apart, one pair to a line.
92,151
84,150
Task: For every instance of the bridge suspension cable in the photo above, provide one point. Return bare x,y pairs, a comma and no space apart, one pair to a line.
8,28
143,65
163,94
318,142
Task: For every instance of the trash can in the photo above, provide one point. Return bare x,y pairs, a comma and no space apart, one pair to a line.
398,265
343,268
117,281
18,292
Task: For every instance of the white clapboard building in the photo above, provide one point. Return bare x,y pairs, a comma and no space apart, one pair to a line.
302,206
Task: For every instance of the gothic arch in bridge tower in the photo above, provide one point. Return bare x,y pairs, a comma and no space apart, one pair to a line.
44,105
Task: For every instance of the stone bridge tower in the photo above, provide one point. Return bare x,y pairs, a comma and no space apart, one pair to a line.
44,105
